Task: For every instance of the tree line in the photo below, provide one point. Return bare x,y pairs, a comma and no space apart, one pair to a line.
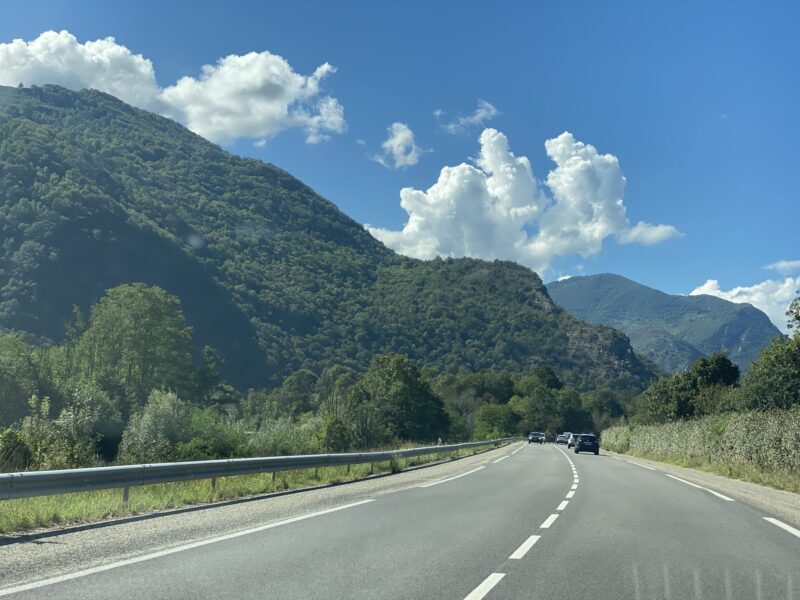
126,385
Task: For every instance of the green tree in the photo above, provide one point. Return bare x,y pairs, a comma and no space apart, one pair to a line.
773,380
137,341
154,430
410,409
495,420
17,378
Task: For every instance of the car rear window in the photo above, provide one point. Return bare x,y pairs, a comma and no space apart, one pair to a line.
588,438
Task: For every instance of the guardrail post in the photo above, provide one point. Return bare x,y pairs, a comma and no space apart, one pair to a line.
273,477
348,468
316,472
213,484
125,494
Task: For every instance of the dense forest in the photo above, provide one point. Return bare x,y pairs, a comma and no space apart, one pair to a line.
122,387
95,194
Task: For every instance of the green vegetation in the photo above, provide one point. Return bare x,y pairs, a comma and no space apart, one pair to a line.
706,418
86,507
672,331
754,446
95,194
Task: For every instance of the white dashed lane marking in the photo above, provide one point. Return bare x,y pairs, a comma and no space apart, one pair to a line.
523,549
485,587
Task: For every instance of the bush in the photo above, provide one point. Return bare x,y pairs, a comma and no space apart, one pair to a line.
763,441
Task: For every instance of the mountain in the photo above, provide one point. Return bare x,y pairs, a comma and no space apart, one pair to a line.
672,331
95,193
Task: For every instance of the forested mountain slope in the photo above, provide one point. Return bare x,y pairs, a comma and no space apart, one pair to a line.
673,331
95,193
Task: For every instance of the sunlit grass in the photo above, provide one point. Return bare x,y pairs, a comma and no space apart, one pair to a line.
779,480
87,507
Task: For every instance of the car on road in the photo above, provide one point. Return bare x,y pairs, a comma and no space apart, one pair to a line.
587,442
562,438
573,437
536,437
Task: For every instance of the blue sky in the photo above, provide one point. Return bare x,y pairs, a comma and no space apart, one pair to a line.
697,101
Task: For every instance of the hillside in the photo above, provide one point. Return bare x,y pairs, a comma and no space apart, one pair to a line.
95,193
672,331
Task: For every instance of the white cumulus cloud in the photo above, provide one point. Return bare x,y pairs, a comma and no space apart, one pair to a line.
648,234
254,95
483,113
773,296
399,149
784,266
496,208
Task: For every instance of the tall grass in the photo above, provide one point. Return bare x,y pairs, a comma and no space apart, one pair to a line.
86,507
763,447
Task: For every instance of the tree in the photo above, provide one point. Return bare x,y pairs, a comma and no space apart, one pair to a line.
410,409
793,313
297,395
17,378
773,380
155,430
137,341
494,421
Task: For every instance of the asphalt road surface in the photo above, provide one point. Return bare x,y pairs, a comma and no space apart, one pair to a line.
528,521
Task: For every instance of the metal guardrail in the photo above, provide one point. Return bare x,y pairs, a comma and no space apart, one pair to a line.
45,483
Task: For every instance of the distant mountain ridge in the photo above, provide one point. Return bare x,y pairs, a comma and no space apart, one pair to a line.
95,193
672,331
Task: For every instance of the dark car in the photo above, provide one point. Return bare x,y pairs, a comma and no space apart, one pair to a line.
536,437
587,442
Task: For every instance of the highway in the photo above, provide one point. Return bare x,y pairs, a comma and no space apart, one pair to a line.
526,521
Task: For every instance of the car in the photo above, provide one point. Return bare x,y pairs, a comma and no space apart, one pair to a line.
536,437
587,442
573,437
563,437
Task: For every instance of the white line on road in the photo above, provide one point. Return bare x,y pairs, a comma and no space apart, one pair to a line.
576,480
700,487
167,552
574,486
570,494
784,526
425,485
523,549
494,462
485,587
640,465
563,505
549,521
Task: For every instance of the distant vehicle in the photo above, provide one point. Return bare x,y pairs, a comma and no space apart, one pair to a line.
587,442
562,438
536,437
573,437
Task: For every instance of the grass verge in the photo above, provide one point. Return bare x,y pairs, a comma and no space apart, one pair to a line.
776,480
87,507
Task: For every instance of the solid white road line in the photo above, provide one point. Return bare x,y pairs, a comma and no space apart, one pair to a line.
700,487
523,549
131,561
425,485
494,462
549,521
640,465
570,494
784,526
563,505
485,587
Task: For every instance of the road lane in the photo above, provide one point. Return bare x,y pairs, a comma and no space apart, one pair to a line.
439,541
631,533
540,523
